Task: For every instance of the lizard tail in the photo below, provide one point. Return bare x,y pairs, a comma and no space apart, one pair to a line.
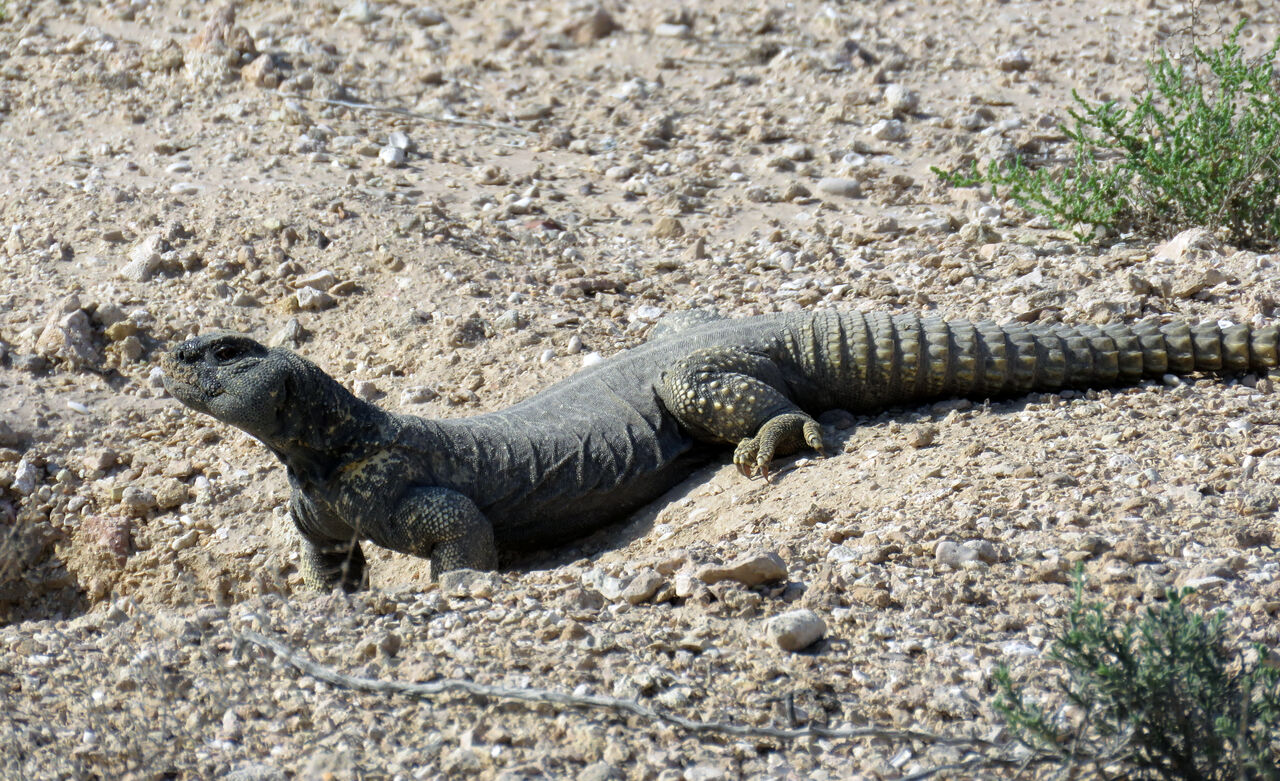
867,361
1016,358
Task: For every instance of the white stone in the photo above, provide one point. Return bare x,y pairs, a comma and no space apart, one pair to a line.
848,188
1013,60
796,630
888,130
899,98
320,280
392,156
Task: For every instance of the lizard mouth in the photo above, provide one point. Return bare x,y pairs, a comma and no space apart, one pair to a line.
183,383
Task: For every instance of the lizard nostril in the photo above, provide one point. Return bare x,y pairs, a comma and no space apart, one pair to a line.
187,351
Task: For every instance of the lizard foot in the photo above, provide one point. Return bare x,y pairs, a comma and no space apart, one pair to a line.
781,434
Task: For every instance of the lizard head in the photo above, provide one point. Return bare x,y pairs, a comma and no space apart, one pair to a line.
232,378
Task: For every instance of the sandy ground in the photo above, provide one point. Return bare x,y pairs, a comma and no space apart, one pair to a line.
449,207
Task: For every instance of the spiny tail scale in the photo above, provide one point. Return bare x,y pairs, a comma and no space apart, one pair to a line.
865,361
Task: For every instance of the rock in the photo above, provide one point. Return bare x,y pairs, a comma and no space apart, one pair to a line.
900,99
472,583
871,597
261,72
593,26
643,586
619,173
137,501
956,554
187,539
320,280
489,174
670,30
9,437
953,554
888,130
255,771
751,569
1191,245
163,55
392,156
796,630
1052,570
288,335
922,436
797,152
645,313
600,771
667,228
1013,61
310,299
68,336
604,584
144,259
359,12
222,32
795,192
366,389
400,140
171,493
121,330
847,188
509,320
424,16
26,478
418,394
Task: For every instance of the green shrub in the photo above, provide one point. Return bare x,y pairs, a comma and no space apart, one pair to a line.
1200,147
1158,697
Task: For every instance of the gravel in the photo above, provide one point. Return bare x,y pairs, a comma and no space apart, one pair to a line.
543,184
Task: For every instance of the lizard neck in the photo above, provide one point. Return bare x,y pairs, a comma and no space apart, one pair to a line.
322,425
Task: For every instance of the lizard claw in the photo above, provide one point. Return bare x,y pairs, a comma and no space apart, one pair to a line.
783,433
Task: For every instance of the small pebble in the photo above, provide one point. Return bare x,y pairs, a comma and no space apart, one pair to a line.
313,300
900,99
418,394
669,30
888,130
392,156
366,389
1013,61
752,569
796,630
848,188
400,140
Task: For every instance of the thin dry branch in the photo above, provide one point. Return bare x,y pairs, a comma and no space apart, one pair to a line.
548,696
459,121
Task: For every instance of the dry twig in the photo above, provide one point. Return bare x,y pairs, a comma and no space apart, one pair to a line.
548,696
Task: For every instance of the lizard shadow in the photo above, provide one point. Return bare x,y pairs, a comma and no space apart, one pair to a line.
840,427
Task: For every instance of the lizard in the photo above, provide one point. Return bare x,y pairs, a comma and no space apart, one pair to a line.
594,447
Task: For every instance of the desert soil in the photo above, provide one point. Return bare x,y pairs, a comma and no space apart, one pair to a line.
450,207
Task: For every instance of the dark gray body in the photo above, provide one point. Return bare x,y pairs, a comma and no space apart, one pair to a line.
592,448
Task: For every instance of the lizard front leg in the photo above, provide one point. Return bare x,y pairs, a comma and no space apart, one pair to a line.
441,525
736,397
325,560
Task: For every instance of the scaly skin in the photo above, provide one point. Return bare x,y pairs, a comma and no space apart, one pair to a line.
594,447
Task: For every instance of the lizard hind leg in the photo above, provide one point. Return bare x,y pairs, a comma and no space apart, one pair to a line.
738,398
780,434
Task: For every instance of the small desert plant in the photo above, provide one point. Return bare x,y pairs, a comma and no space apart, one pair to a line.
1158,697
1200,148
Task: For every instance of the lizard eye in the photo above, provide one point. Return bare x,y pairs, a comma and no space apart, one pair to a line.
226,352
